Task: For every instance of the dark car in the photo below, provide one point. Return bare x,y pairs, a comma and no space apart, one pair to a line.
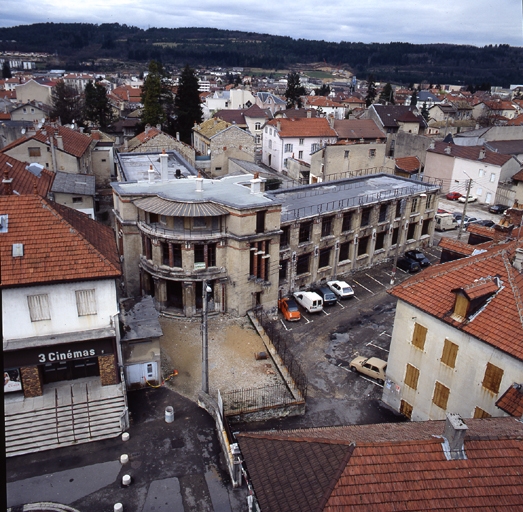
497,208
419,257
453,196
486,222
408,265
328,296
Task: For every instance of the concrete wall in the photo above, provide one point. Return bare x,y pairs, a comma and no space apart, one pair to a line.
32,90
230,143
464,381
441,167
409,144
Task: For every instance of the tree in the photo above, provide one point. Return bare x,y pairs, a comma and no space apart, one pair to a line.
96,105
6,70
294,91
324,90
157,96
414,99
187,104
387,95
371,91
425,111
67,104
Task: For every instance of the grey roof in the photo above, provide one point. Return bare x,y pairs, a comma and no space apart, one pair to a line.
139,319
177,209
312,200
264,96
67,183
506,147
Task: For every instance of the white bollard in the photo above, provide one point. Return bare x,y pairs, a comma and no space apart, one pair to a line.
118,507
125,436
124,459
169,414
126,480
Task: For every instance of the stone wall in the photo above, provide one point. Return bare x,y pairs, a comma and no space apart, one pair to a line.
108,375
31,381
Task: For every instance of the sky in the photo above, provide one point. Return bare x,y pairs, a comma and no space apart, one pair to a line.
476,22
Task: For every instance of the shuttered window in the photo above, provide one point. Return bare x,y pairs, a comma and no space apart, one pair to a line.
450,352
480,413
492,378
406,409
39,307
411,376
85,302
441,395
418,338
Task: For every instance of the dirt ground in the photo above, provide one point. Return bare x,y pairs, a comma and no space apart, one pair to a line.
233,343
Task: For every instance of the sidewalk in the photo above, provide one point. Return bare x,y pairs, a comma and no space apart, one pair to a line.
173,466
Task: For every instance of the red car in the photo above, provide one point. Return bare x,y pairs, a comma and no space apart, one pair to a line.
289,309
453,196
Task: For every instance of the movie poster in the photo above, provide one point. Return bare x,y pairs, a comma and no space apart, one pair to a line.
12,380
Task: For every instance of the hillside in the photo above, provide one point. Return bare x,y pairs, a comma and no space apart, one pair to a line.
77,44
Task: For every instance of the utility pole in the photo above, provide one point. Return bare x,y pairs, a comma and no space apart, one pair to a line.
400,230
464,210
205,341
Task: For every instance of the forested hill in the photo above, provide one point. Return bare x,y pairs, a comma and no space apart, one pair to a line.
75,43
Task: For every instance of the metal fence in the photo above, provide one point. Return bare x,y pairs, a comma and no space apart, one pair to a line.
254,399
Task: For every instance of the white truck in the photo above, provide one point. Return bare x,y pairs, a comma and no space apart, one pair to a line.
311,301
445,221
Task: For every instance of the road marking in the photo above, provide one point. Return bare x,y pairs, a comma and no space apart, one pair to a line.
306,319
359,284
376,280
377,346
370,380
386,334
343,368
328,314
340,304
284,326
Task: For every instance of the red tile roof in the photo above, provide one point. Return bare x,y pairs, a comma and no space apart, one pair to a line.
512,401
59,244
303,127
500,322
408,164
356,129
24,181
322,101
386,467
470,153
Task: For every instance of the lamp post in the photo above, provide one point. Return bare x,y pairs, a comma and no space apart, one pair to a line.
205,342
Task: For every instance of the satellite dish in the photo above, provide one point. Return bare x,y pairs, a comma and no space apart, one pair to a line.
23,131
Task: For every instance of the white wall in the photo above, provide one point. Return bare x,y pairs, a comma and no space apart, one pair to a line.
62,304
464,381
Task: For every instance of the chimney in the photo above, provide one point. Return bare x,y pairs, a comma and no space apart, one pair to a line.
482,154
309,114
8,183
454,435
60,142
518,260
447,150
256,184
151,174
164,165
199,182
278,126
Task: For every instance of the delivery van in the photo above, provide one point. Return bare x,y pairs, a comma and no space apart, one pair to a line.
445,221
311,301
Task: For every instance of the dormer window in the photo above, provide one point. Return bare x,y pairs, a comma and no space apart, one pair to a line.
470,299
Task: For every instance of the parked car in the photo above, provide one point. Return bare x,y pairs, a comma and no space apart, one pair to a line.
371,366
419,257
408,265
444,222
470,220
469,199
328,296
311,301
453,196
497,208
341,289
486,222
289,309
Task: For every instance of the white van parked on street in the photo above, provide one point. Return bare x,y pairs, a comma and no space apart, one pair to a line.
311,301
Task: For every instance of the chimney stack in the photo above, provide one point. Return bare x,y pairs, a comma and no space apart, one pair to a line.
256,184
482,154
8,183
164,165
60,142
447,150
454,435
151,174
199,182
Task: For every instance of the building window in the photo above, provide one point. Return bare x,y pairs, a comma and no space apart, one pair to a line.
270,144
78,200
406,409
302,264
363,245
398,210
365,216
326,226
384,208
481,173
314,147
492,378
85,302
480,413
414,205
206,254
419,336
199,222
153,218
450,352
284,264
300,155
411,376
260,221
266,129
430,201
325,257
288,148
305,232
346,224
380,241
259,262
34,151
302,141
441,395
39,307
395,234
257,139
346,154
372,153
344,251
284,237
492,177
257,126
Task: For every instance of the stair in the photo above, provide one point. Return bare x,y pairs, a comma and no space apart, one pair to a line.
66,415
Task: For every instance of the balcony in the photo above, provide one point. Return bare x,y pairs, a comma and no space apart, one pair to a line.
181,235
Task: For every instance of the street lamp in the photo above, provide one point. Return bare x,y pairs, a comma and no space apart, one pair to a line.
205,341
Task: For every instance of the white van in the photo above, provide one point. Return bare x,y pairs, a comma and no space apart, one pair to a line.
445,221
311,301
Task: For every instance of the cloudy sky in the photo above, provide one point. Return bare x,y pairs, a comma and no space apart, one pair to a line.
477,22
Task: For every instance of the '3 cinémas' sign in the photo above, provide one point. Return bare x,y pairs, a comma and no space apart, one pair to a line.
53,357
